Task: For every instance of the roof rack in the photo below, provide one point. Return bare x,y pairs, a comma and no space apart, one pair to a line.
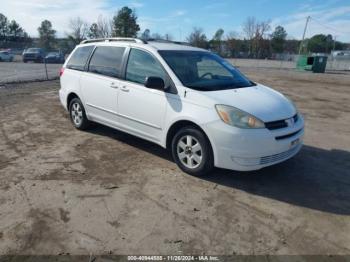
167,41
112,39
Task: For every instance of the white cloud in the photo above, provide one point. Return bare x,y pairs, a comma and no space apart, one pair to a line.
178,13
327,20
30,14
136,5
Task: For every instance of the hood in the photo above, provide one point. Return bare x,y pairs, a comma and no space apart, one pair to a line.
259,101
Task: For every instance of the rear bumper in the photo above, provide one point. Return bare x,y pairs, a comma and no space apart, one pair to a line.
63,98
247,150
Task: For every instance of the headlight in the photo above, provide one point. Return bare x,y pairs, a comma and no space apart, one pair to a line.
238,118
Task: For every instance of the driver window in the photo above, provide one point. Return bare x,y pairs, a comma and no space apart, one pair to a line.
142,65
209,68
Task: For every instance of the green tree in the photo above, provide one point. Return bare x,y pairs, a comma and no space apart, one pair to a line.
278,39
47,35
232,44
216,42
93,31
218,35
320,43
125,23
146,34
3,27
198,38
292,46
15,30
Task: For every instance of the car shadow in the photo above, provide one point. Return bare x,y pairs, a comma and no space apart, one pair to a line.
315,178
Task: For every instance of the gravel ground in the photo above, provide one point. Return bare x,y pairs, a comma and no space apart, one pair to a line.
103,191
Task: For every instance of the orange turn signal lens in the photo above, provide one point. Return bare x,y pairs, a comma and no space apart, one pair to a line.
224,116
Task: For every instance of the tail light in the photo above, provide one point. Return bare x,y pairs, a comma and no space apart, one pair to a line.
61,71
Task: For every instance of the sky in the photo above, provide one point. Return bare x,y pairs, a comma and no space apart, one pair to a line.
178,17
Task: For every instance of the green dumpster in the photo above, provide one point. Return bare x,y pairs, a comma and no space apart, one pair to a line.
316,64
319,64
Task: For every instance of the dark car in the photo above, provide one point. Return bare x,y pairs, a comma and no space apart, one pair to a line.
55,57
34,54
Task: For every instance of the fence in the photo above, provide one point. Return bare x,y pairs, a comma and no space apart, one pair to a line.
333,64
18,71
21,72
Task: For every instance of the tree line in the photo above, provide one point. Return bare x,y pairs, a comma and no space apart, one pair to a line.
11,33
259,40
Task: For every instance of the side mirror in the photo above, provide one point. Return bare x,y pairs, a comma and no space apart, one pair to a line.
154,83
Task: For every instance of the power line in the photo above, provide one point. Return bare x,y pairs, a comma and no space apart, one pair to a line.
327,26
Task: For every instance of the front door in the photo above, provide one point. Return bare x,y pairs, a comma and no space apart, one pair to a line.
142,110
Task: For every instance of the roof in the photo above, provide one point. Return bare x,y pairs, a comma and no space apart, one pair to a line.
150,44
173,46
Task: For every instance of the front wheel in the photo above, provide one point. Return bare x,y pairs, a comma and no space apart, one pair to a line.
192,152
78,115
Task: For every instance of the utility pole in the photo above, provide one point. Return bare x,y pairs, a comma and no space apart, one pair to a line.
332,55
335,40
302,41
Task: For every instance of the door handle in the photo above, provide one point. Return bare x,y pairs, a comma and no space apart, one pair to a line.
125,89
113,85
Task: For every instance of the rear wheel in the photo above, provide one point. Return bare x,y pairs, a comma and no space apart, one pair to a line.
78,115
192,152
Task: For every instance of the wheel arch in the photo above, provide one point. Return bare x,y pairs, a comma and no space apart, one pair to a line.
70,97
176,126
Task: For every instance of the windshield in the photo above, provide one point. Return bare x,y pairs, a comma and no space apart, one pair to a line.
204,71
33,50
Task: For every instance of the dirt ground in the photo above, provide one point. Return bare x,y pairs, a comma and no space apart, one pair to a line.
103,191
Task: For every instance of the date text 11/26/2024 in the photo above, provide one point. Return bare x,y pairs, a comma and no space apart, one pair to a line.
173,258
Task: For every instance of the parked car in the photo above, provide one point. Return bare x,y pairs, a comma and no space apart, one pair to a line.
183,98
55,57
6,56
34,55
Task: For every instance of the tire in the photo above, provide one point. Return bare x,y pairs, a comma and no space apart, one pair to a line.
191,158
77,114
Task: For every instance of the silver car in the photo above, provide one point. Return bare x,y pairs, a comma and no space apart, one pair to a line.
5,56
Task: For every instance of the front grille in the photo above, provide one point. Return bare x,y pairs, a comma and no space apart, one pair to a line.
276,124
278,157
279,123
288,135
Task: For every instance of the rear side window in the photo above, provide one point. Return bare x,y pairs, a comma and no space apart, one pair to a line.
142,65
80,57
107,60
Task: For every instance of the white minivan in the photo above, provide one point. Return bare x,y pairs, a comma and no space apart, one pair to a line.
183,98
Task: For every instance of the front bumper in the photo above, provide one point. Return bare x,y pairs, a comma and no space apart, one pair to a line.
252,149
32,58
